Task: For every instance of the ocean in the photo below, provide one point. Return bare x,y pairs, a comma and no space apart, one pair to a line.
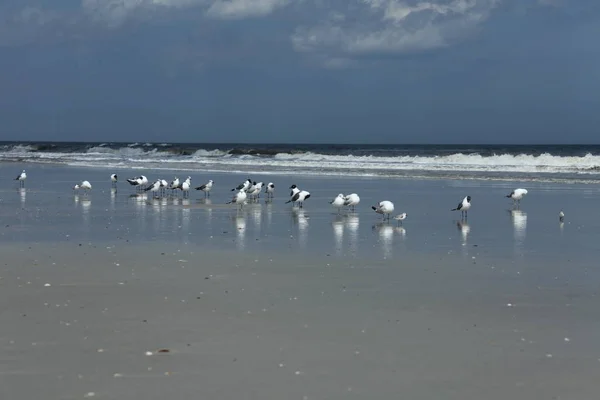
543,163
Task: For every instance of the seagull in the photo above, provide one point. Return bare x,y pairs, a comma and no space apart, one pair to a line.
154,188
338,202
517,195
144,181
113,179
299,197
254,189
163,186
463,206
174,184
243,186
400,218
384,208
185,187
294,191
561,216
352,201
239,198
257,187
75,188
21,178
134,181
85,185
270,189
206,188
139,182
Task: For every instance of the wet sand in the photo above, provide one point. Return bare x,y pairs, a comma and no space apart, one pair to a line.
271,303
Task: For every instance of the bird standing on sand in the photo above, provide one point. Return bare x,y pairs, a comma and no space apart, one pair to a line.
174,184
154,188
385,208
21,178
185,187
338,202
400,218
517,195
239,198
86,186
463,207
254,189
270,190
206,188
298,196
294,191
243,186
113,179
352,201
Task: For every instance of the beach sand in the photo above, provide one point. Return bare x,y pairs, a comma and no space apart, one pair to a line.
275,303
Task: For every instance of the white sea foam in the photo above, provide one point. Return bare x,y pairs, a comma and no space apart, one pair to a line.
484,166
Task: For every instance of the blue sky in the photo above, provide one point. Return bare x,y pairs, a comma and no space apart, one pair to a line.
353,71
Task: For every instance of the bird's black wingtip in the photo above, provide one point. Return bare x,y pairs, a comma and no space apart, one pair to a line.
374,208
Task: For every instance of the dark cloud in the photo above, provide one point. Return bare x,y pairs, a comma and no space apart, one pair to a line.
300,70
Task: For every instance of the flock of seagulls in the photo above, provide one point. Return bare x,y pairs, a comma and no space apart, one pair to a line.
250,191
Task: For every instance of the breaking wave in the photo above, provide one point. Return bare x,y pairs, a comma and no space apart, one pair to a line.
455,161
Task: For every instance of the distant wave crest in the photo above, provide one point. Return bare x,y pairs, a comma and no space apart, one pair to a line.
331,159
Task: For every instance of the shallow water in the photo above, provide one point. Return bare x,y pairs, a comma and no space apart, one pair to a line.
276,302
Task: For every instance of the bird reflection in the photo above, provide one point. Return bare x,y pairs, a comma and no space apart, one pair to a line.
464,229
185,215
269,211
352,223
338,233
240,227
86,203
519,220
300,219
113,197
401,231
22,195
386,237
255,212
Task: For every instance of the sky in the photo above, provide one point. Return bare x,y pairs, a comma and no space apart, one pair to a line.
298,71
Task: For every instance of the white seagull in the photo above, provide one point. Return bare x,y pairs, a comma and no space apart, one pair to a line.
561,216
400,218
299,196
384,208
75,188
21,178
239,198
243,186
137,182
185,187
206,188
270,189
144,181
338,202
113,179
352,201
517,195
174,184
254,189
85,185
154,188
294,191
463,206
